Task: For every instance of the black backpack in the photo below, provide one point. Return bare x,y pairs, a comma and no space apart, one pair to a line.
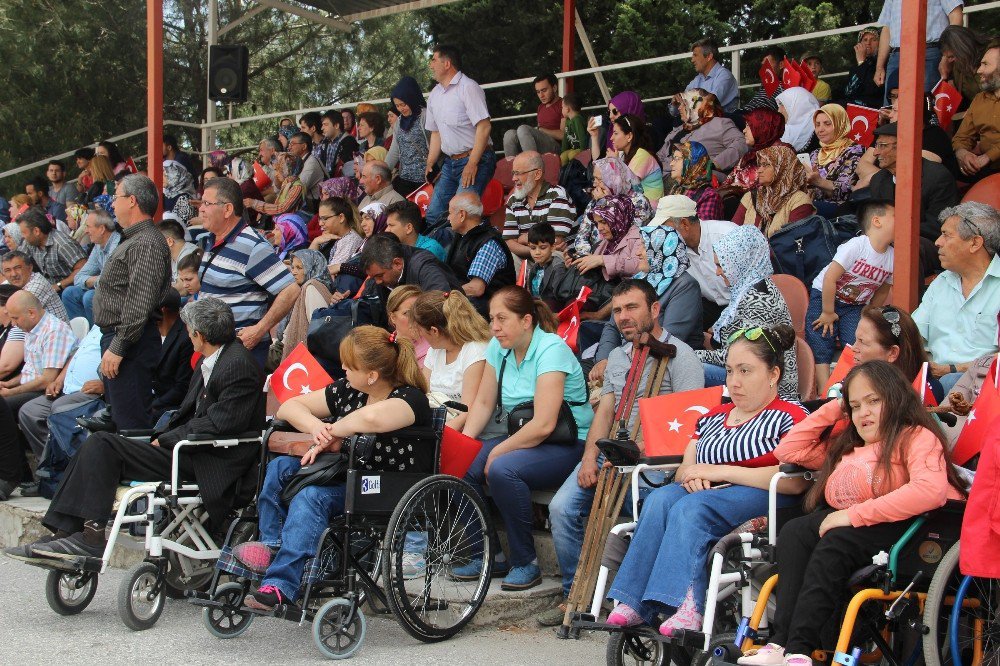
806,247
575,179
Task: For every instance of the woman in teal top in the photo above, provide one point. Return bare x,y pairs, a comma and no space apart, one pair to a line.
537,365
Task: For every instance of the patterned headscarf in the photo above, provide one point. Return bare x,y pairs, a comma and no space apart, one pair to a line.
627,102
745,258
667,256
841,142
766,126
314,266
219,159
293,232
696,173
800,105
176,181
618,213
342,186
376,211
13,231
790,176
616,175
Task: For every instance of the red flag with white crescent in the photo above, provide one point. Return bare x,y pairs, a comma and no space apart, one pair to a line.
864,120
808,79
569,319
422,197
977,423
668,421
922,388
790,75
300,373
260,177
946,101
130,165
768,77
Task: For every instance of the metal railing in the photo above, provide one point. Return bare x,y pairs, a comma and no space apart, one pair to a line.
735,51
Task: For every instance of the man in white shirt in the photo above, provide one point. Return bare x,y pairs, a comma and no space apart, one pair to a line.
940,14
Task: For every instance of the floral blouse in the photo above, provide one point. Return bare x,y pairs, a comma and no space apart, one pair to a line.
842,172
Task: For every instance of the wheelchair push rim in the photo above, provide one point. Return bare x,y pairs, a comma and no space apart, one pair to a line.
68,592
445,513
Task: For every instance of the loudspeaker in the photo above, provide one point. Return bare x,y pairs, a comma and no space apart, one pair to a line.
227,73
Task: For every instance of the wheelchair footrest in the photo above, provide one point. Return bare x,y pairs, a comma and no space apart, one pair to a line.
77,564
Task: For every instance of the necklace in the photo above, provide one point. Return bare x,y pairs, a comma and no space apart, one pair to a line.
740,420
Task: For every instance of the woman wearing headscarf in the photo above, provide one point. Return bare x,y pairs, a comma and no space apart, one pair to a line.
341,186
763,129
624,103
310,271
289,234
376,154
619,255
781,196
745,259
612,177
798,105
411,142
291,193
835,162
350,274
178,191
691,171
630,139
703,122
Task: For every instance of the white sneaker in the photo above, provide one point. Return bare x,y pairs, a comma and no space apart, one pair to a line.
769,655
414,565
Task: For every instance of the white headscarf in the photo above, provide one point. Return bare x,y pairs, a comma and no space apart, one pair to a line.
801,106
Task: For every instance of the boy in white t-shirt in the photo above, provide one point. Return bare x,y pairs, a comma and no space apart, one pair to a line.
860,273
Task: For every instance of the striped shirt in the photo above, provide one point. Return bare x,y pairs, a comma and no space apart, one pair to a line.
750,444
47,345
57,258
552,206
133,283
244,272
46,295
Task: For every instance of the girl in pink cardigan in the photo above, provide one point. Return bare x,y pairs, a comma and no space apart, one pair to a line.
889,465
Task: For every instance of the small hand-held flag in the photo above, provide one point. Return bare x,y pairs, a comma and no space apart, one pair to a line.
768,77
668,421
864,120
946,101
422,197
300,373
569,319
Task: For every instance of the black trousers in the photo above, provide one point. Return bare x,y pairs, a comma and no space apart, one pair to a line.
130,394
87,490
813,574
710,311
13,462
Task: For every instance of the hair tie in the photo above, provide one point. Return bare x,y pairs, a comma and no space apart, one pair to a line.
392,337
447,294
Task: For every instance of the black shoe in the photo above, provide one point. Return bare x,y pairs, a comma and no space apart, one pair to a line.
100,422
68,548
30,489
24,553
6,489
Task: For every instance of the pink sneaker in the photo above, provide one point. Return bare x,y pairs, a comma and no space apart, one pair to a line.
769,655
625,616
254,555
686,617
798,660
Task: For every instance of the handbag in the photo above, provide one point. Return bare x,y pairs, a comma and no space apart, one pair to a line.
328,469
806,247
331,325
564,433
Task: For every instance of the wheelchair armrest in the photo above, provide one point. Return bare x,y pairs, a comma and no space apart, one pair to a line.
280,425
206,437
791,468
137,433
662,460
292,443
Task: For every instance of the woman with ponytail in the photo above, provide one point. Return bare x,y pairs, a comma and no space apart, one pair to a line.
525,361
384,392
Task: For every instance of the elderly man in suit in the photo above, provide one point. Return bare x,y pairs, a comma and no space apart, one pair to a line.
224,399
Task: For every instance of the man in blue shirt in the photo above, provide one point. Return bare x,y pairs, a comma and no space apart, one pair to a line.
712,76
79,296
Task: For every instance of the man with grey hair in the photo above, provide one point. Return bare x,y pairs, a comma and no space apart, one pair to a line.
534,201
376,181
267,155
127,298
711,76
104,237
478,255
957,317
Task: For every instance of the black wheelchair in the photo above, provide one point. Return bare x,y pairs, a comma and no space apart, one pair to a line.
359,557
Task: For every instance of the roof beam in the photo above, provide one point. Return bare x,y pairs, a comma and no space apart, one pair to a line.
396,9
315,17
253,11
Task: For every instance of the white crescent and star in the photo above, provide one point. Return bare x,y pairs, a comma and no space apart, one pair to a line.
293,366
675,425
769,76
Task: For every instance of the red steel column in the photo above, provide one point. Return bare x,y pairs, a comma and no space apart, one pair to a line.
154,94
905,292
569,39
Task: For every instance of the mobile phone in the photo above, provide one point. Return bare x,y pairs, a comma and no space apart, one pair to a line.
598,121
804,158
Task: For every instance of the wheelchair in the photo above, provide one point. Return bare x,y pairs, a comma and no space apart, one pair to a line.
740,568
359,557
180,550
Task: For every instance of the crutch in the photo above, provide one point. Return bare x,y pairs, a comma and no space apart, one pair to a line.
612,485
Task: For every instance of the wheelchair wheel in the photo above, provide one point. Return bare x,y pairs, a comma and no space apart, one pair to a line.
176,583
227,621
139,601
722,647
631,650
337,632
68,592
449,520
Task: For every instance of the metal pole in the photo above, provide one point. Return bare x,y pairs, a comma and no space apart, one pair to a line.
154,95
913,45
208,133
569,43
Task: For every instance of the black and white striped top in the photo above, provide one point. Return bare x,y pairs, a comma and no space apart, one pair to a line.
749,444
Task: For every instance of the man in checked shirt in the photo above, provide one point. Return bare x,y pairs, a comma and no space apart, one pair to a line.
126,300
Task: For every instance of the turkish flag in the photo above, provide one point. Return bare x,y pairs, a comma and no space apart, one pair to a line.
457,452
422,197
768,77
260,177
808,79
569,320
946,101
977,423
844,365
298,374
790,76
922,388
522,275
864,120
130,165
668,421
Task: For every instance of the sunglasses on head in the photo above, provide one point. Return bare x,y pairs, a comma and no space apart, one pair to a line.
891,316
752,334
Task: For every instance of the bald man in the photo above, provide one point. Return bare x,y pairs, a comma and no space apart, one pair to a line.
478,255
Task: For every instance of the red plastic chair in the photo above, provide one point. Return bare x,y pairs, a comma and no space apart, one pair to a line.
986,191
796,298
552,166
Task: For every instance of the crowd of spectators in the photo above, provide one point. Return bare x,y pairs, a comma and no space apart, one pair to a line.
678,233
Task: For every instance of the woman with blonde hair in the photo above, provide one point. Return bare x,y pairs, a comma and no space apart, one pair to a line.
399,308
383,393
103,175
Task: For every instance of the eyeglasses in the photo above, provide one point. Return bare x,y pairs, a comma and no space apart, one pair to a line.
116,197
752,334
975,227
891,316
213,203
884,146
524,173
324,218
676,158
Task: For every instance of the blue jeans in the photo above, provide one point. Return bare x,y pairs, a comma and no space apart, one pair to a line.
79,302
449,184
511,479
948,381
845,328
294,530
715,375
569,511
669,551
932,58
